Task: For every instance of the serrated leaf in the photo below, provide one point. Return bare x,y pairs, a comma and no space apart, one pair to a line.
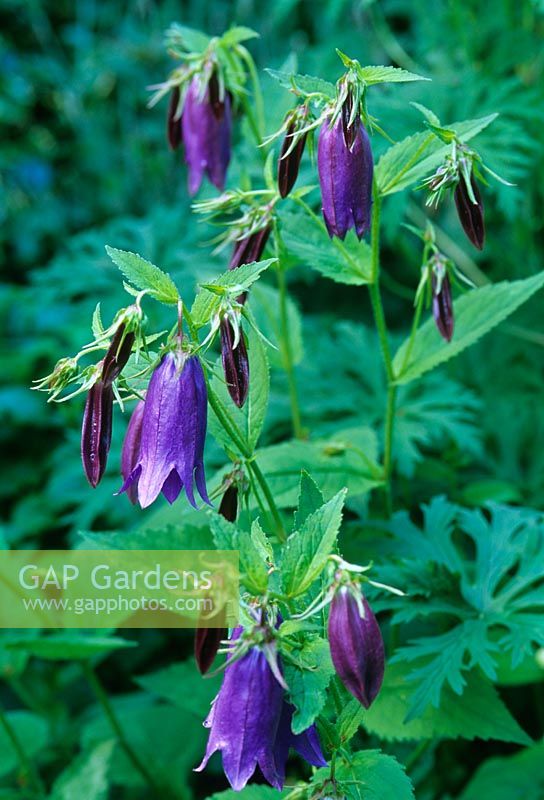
478,714
144,275
308,687
306,551
253,570
370,775
87,776
307,84
415,157
345,262
476,313
235,281
377,74
310,499
261,541
350,720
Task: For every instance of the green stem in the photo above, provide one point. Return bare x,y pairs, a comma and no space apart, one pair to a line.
287,350
280,530
256,119
111,716
381,327
27,766
415,326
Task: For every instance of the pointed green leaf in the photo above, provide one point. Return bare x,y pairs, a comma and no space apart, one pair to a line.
144,275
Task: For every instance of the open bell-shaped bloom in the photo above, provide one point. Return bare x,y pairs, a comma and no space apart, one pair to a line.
345,167
173,430
356,644
306,744
205,130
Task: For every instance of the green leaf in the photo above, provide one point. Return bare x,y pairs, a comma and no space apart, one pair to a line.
306,84
254,791
190,39
253,570
182,685
69,646
144,275
415,157
261,541
168,537
306,551
233,282
370,775
375,74
516,777
237,35
87,776
309,499
478,714
350,719
347,459
308,687
307,239
30,729
476,313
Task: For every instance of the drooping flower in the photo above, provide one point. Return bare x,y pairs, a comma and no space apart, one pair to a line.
173,121
306,744
356,644
345,166
470,210
250,721
207,641
235,362
244,719
96,431
250,248
205,130
130,454
173,429
443,306
118,354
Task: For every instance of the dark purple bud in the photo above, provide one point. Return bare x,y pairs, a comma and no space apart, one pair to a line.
96,431
345,166
117,355
130,454
356,645
173,433
249,249
244,720
173,122
235,363
289,163
205,126
443,306
471,215
207,641
228,507
306,744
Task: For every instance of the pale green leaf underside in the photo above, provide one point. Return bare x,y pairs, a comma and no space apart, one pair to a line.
476,313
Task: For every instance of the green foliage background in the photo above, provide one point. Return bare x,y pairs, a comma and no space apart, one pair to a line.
85,164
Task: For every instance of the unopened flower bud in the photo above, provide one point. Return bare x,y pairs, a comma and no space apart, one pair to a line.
96,431
118,354
248,250
235,362
130,454
228,507
356,644
471,214
291,155
207,642
173,121
443,305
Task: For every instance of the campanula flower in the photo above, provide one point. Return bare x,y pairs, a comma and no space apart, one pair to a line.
207,641
356,644
130,454
291,153
306,744
173,429
205,130
443,306
173,121
345,166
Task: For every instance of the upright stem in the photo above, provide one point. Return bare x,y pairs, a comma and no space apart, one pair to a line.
111,716
280,530
286,347
26,763
381,326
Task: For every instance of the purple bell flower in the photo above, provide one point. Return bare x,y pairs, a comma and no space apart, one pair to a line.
356,644
235,363
471,215
250,723
173,429
205,130
443,307
345,167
